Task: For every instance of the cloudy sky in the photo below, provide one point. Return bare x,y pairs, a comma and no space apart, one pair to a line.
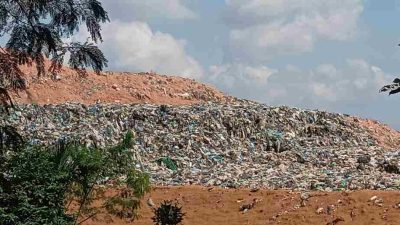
327,54
317,54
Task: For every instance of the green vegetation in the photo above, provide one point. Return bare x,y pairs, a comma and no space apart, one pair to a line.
58,184
38,30
168,214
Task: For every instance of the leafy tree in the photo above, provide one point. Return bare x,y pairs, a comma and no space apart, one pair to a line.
393,88
36,30
32,190
58,184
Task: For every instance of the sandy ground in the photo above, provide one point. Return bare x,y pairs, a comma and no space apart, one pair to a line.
214,206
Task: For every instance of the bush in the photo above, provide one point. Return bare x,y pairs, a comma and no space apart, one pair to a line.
39,184
168,214
32,190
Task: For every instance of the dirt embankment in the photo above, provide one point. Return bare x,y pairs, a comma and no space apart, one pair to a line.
113,87
214,206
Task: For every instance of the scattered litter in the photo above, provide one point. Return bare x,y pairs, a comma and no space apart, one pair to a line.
336,221
373,198
247,207
319,210
168,162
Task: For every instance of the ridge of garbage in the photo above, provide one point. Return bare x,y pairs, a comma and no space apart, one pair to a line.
242,144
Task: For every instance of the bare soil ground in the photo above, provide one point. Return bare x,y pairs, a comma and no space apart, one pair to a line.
112,87
214,206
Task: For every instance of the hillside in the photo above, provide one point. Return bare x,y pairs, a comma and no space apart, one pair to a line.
149,88
113,87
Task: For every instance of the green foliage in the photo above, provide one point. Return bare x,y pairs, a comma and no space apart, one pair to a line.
40,185
32,189
168,214
37,31
127,202
139,182
9,139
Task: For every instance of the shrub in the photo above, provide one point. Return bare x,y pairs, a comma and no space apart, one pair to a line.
39,184
32,190
168,214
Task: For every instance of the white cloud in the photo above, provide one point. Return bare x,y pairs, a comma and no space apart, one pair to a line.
324,87
128,10
232,76
262,29
259,73
134,46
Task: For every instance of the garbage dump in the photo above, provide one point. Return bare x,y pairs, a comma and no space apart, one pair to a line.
242,144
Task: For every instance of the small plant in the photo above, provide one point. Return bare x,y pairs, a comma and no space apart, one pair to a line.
168,213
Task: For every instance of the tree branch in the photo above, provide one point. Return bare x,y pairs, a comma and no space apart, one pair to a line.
27,16
91,216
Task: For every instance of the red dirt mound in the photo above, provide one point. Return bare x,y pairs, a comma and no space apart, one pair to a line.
214,206
385,136
112,87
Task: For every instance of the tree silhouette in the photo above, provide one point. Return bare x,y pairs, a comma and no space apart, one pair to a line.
37,30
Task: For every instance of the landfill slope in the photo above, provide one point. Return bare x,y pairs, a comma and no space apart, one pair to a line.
241,144
144,88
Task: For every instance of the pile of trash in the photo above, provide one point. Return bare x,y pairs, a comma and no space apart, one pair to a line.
243,144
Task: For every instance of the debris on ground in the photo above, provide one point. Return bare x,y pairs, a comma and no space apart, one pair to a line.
244,144
246,207
336,221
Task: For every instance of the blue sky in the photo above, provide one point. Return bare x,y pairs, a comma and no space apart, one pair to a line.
318,54
329,55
